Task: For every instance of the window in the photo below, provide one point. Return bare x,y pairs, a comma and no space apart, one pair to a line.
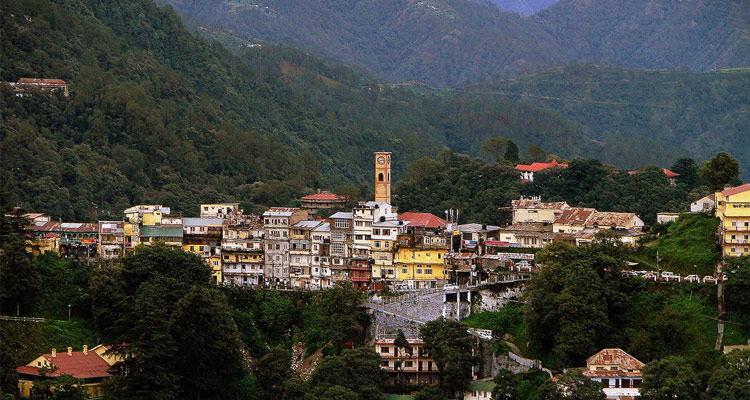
376,231
404,270
380,177
384,363
408,364
377,244
384,349
428,270
387,244
419,270
439,256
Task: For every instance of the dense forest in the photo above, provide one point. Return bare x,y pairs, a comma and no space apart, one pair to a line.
653,116
449,43
157,114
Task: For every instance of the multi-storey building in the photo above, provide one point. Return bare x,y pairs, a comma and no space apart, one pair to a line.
733,210
277,223
420,257
203,236
323,201
341,245
384,241
365,214
111,239
242,255
412,364
320,274
301,254
533,210
229,212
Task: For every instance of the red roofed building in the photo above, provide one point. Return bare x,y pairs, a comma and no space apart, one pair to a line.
423,220
671,175
527,170
91,366
48,85
323,200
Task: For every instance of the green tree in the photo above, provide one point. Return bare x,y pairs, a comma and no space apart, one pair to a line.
578,387
64,387
204,331
506,385
495,147
271,371
338,392
731,380
343,317
430,393
535,153
720,170
511,152
358,370
19,278
688,170
450,345
738,287
669,378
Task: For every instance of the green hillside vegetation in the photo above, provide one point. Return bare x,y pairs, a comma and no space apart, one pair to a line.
689,242
449,43
158,115
653,116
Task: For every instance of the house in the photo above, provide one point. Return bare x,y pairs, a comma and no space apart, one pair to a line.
301,254
704,204
323,201
412,365
473,235
672,176
533,210
667,217
111,239
91,366
26,85
278,222
229,212
479,390
341,245
574,219
385,237
320,276
203,236
619,373
733,209
615,220
527,170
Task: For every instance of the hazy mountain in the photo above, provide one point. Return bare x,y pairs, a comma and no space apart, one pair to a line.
451,42
659,115
525,7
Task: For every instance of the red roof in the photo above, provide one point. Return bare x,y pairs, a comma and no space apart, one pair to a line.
43,81
667,172
51,235
77,364
735,190
425,220
324,196
538,166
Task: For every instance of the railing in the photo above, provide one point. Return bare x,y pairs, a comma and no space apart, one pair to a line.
21,319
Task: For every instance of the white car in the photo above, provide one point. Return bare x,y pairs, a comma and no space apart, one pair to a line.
709,279
693,278
649,276
450,287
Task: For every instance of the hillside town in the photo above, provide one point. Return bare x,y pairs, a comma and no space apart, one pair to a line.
370,245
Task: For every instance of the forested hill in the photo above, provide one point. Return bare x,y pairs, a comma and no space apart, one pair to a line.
158,115
450,43
652,116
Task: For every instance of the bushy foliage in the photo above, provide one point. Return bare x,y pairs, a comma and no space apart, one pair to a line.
689,242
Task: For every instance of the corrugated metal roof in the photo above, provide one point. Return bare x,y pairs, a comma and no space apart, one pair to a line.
161,231
306,224
202,222
342,215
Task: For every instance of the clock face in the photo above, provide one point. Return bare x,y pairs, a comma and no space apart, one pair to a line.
381,160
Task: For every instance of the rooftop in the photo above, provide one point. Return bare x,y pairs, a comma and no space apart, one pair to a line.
42,81
161,231
425,220
611,218
575,215
306,224
538,205
342,215
202,221
485,386
537,166
328,196
735,190
79,365
280,212
471,228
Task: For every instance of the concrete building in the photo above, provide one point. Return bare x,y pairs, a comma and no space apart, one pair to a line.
533,210
528,170
323,201
619,373
413,364
277,223
704,204
733,209
320,274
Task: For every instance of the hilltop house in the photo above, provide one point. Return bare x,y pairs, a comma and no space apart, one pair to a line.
527,170
619,373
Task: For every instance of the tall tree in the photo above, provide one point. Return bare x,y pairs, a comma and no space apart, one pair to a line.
450,345
688,170
720,170
19,278
271,371
495,147
535,153
731,380
669,378
357,370
511,152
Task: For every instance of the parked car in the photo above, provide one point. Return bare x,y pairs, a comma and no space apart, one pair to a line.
693,278
649,276
450,287
670,276
709,279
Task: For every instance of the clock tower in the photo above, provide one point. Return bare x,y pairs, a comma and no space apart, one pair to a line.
383,177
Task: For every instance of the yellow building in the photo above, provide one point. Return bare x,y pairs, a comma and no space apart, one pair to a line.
92,367
733,209
146,214
420,268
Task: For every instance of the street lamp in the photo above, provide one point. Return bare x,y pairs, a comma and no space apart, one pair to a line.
68,312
